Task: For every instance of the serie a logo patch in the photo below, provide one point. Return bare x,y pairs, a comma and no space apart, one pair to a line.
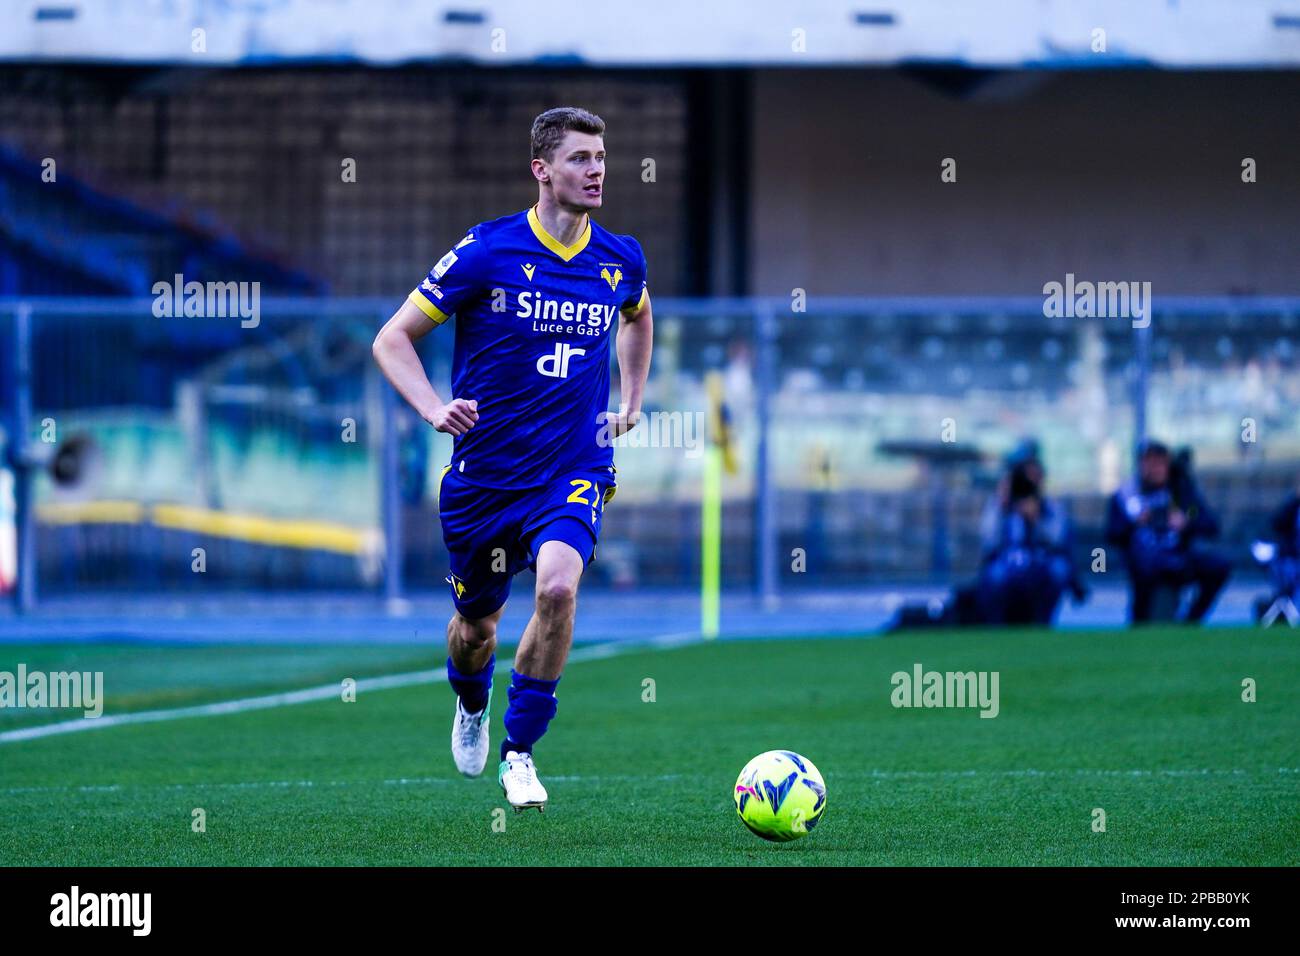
445,263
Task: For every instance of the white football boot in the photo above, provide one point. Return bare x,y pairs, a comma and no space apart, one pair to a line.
518,778
469,739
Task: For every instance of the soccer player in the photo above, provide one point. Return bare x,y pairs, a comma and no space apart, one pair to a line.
535,295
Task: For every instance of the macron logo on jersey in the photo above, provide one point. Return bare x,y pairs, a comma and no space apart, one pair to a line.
556,364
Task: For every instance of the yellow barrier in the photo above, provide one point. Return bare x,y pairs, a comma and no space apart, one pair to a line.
307,535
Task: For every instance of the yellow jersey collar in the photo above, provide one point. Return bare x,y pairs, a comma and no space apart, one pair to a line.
550,242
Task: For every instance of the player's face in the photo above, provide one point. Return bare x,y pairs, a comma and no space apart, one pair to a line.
1155,469
577,171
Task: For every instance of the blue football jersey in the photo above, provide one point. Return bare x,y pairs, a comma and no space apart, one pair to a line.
534,323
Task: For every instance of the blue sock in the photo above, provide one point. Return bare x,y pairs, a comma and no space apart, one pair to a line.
532,705
472,689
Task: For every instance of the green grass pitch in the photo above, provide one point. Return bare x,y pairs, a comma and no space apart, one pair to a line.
1149,726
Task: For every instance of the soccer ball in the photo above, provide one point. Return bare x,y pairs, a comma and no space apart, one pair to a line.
780,795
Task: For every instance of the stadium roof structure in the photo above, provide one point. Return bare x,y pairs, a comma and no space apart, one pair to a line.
1048,34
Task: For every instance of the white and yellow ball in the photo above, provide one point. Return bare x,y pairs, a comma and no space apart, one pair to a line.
780,795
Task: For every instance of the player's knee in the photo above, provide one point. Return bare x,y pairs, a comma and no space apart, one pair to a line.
557,597
474,633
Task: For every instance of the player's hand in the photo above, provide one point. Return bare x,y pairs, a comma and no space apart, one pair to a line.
622,421
456,417
1029,508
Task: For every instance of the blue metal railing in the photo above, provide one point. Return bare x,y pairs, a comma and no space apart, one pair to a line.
772,330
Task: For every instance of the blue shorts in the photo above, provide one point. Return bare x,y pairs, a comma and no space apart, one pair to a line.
492,533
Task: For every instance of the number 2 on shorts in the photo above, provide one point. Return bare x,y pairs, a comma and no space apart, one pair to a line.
578,495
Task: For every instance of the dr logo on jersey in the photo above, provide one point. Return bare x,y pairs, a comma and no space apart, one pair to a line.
556,364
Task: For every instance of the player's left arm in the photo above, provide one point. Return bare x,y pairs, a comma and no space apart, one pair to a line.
636,334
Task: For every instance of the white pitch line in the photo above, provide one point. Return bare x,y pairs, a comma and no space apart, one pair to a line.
307,695
1090,772
636,778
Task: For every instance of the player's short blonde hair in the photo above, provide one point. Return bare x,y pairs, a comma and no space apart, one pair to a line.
549,128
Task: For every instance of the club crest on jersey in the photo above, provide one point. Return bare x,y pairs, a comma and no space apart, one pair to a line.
614,279
528,268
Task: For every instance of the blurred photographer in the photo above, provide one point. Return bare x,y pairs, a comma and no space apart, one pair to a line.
1160,520
1026,562
1285,566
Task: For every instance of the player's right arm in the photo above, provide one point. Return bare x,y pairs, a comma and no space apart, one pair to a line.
394,351
455,281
